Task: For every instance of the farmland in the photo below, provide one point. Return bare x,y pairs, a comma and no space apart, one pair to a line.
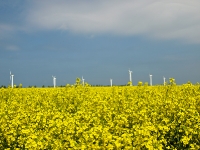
127,117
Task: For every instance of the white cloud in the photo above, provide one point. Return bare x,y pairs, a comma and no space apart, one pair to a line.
12,48
171,19
4,30
5,27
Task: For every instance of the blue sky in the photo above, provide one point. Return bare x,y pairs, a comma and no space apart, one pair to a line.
99,40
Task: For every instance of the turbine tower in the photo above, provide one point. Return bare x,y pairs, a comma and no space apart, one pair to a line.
111,82
83,81
54,81
150,79
130,78
164,80
11,79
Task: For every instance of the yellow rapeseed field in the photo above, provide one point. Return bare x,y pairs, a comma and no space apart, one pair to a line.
128,117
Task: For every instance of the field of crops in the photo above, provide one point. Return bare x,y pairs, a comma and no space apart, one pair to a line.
137,117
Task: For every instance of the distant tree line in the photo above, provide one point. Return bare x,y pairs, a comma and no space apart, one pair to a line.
79,83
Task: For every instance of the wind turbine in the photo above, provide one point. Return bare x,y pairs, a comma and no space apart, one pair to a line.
130,78
164,80
54,81
150,79
83,81
111,82
11,79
